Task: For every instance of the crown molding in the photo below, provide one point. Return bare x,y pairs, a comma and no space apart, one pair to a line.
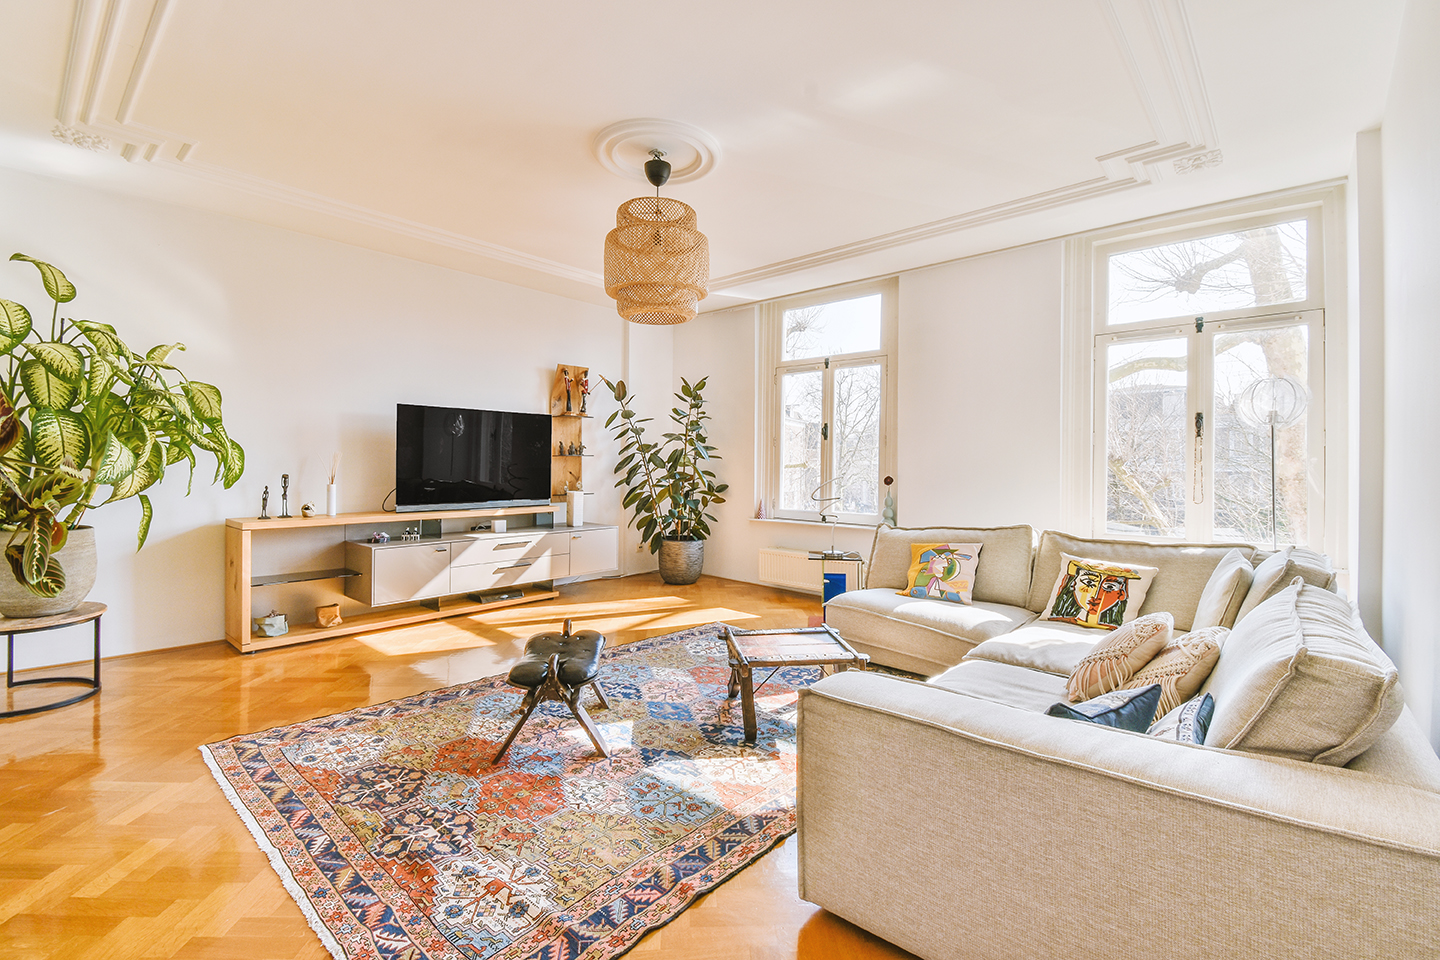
99,93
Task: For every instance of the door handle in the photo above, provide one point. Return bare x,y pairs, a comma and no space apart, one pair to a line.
513,544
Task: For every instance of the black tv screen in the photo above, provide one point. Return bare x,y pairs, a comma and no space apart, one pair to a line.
452,458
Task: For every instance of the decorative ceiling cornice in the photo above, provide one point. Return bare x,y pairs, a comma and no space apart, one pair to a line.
100,91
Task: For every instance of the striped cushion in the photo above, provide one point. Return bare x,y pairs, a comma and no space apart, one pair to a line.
1115,659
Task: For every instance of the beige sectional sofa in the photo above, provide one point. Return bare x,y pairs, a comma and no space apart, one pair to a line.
955,819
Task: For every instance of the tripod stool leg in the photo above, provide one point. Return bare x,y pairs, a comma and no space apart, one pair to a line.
531,699
577,708
599,694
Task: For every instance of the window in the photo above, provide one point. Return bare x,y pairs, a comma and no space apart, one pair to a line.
1209,384
827,433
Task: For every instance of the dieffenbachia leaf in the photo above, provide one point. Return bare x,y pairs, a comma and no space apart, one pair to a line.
61,359
159,353
117,461
102,336
146,514
14,325
204,400
57,286
10,429
44,388
59,435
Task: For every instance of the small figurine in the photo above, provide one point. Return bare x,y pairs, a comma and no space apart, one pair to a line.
307,509
581,450
565,372
560,449
584,393
265,503
284,496
380,537
572,450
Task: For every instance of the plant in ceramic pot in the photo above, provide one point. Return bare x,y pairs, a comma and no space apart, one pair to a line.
668,484
81,412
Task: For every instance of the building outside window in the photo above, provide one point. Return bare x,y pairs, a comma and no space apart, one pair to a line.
827,438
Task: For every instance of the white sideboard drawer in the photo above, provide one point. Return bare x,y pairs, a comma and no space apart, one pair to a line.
412,571
496,548
506,573
594,550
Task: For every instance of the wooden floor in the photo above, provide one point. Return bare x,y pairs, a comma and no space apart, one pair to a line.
115,841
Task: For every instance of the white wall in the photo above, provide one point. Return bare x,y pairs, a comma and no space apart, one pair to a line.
312,342
1410,135
980,396
979,401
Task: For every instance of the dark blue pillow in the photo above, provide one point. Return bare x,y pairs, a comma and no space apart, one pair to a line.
1125,709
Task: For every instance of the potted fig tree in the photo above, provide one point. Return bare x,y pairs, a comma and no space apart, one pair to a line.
669,486
86,421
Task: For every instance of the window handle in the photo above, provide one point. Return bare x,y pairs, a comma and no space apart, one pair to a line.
824,431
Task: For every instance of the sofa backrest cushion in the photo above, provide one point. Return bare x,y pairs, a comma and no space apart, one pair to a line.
1275,572
1299,678
1185,568
1229,584
1002,575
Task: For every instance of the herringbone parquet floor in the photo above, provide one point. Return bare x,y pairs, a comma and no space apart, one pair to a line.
116,843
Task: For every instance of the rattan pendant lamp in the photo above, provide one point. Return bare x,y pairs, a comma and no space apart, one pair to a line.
657,262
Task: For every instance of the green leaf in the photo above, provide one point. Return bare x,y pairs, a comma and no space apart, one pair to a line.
204,399
146,473
37,547
620,392
49,584
101,375
158,354
14,325
146,514
57,286
116,463
234,464
59,435
61,359
103,337
43,388
10,429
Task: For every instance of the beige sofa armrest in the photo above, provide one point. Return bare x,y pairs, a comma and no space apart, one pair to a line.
956,827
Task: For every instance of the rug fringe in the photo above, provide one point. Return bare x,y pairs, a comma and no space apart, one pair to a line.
277,861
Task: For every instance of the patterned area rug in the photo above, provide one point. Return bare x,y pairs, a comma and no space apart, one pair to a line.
398,838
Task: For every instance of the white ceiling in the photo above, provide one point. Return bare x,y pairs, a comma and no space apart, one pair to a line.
854,139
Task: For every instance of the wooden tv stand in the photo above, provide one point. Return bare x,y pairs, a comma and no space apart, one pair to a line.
415,580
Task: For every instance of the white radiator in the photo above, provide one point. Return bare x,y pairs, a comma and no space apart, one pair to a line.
794,570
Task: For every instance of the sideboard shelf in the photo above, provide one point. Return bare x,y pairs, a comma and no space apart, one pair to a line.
303,576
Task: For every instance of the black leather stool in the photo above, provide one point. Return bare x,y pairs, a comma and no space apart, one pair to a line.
559,666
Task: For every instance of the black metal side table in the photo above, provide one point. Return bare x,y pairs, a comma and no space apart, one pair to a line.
85,613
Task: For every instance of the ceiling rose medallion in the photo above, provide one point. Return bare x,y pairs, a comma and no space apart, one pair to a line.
657,262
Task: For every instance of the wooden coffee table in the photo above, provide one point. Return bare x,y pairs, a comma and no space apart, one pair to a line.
799,647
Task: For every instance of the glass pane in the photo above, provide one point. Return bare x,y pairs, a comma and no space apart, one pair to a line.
1261,375
857,439
1146,419
800,408
1231,271
830,329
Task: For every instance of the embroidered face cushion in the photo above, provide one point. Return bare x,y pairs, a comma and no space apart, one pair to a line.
1098,593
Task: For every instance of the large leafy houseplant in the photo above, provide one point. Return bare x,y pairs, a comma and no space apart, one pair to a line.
81,411
668,484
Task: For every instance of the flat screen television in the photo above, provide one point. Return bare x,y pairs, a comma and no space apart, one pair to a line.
450,458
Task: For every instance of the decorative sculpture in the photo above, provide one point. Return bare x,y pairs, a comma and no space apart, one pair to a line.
284,496
265,503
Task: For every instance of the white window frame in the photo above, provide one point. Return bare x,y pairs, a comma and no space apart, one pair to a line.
772,367
1087,333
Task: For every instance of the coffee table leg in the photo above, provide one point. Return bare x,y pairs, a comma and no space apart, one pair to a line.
734,682
747,705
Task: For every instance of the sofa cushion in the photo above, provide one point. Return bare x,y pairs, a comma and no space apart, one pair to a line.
1002,576
1131,710
1013,686
942,571
930,634
1184,569
1098,593
1181,667
1116,658
1276,572
1224,593
1188,723
1044,645
1300,678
